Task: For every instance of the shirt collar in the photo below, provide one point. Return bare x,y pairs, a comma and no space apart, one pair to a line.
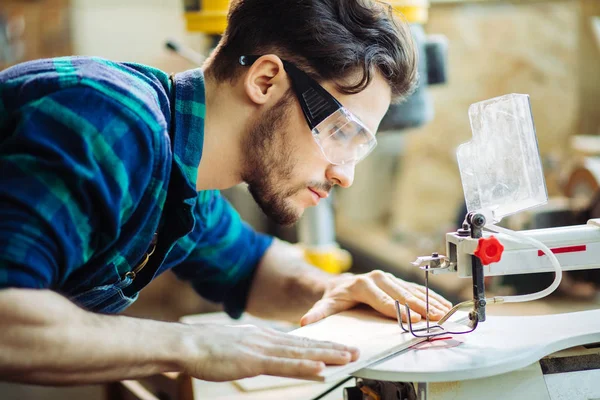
187,130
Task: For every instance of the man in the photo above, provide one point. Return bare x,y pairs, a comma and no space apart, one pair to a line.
110,175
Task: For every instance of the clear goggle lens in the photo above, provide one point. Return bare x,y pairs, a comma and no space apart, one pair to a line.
343,139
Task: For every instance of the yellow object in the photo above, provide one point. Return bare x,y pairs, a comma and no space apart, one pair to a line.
210,16
333,259
413,11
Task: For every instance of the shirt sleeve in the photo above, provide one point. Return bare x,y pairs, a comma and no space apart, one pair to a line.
222,265
68,180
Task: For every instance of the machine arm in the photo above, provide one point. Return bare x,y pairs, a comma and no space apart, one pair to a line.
473,253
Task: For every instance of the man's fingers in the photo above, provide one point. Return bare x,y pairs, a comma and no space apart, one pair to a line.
414,316
436,309
405,295
306,343
409,294
291,368
324,308
383,302
328,356
420,306
432,294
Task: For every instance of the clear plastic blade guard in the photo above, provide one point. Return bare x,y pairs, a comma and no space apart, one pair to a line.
500,167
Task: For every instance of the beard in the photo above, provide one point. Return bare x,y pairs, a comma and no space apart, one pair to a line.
270,162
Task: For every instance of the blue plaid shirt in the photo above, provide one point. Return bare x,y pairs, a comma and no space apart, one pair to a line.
98,192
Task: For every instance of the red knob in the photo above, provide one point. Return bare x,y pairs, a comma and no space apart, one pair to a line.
489,250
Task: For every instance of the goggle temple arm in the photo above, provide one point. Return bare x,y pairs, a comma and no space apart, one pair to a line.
317,103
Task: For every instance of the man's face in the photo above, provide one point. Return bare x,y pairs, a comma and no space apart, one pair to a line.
285,168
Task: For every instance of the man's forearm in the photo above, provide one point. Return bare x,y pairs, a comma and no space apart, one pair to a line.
285,286
46,339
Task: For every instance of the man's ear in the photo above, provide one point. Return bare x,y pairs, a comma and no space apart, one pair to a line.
266,79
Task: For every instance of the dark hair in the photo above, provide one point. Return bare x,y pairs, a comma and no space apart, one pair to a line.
343,41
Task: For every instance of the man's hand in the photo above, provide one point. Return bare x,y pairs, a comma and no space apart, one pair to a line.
46,339
222,353
379,290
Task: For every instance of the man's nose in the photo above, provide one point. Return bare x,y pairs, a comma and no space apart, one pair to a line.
342,175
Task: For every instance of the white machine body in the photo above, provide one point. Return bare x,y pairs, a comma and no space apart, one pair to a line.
576,247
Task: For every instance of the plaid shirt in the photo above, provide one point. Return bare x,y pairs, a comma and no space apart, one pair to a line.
95,158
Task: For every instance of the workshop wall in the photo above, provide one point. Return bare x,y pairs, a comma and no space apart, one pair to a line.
132,30
494,49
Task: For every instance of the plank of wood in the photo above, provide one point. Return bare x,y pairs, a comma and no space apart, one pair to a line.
220,318
376,337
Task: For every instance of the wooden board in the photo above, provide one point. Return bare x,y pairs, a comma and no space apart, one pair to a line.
375,336
220,318
499,345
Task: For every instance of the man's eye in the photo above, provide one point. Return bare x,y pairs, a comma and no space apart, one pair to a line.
342,133
342,136
363,136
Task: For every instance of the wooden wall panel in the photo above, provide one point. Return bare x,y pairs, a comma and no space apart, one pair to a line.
47,28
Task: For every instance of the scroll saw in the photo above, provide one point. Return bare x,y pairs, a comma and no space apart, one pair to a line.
547,357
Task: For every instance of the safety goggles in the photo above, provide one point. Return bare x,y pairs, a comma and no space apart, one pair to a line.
341,136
